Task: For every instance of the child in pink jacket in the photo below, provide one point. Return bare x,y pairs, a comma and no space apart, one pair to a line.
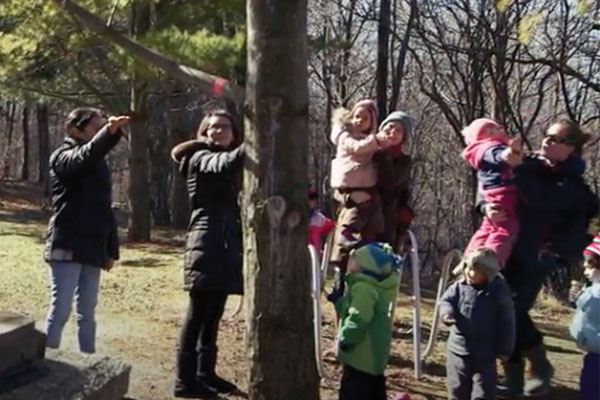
354,177
492,153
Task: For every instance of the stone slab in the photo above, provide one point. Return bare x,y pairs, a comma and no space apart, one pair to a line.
13,325
71,376
20,343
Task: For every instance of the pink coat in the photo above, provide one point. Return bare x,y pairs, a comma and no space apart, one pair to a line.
353,165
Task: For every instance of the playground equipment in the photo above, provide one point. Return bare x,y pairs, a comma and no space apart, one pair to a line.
319,268
450,261
237,308
317,315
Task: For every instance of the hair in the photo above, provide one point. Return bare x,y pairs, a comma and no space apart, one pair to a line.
203,126
574,135
80,117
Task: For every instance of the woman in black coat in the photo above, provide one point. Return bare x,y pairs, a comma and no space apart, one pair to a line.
82,232
213,252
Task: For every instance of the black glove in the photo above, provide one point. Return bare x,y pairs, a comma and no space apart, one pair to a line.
343,345
335,294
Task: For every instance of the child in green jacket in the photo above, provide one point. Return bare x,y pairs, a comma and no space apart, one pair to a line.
365,331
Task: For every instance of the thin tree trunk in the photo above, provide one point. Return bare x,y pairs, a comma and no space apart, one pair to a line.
139,185
160,171
383,36
180,129
44,145
280,343
398,74
25,128
10,122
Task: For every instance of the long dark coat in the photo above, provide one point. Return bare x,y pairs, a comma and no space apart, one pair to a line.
213,251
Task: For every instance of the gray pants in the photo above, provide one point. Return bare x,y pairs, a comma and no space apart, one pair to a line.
468,378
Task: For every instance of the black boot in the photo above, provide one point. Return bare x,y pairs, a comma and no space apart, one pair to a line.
541,372
512,385
207,360
186,385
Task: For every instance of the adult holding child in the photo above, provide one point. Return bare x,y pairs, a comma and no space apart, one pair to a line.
82,232
354,180
393,177
553,213
213,252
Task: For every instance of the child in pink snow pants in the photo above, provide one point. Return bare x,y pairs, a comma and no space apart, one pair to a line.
491,152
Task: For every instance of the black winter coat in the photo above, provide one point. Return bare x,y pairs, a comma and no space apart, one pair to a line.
213,251
82,221
557,206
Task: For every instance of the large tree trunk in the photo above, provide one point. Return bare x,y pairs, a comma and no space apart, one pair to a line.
383,35
139,186
280,343
43,145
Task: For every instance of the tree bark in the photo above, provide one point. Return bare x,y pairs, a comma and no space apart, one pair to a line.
43,143
11,108
139,185
398,72
160,170
383,35
181,128
280,343
25,128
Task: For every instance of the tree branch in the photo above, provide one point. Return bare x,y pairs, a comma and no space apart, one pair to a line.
207,82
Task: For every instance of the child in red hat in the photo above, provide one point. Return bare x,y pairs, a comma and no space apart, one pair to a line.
585,328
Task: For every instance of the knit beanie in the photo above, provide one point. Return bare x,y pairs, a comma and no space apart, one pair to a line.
377,258
371,107
593,249
403,118
482,260
476,129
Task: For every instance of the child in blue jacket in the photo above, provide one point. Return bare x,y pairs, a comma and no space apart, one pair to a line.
480,310
585,327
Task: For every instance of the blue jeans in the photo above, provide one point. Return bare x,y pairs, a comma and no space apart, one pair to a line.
70,279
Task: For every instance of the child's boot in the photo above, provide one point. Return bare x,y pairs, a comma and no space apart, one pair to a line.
512,386
541,372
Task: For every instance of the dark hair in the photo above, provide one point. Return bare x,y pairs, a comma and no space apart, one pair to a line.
80,117
203,127
574,135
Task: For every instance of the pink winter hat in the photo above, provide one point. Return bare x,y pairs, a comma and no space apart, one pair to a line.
476,129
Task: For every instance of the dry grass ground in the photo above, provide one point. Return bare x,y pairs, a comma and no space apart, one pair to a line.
142,303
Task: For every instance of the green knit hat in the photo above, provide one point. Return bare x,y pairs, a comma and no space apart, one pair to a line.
378,258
